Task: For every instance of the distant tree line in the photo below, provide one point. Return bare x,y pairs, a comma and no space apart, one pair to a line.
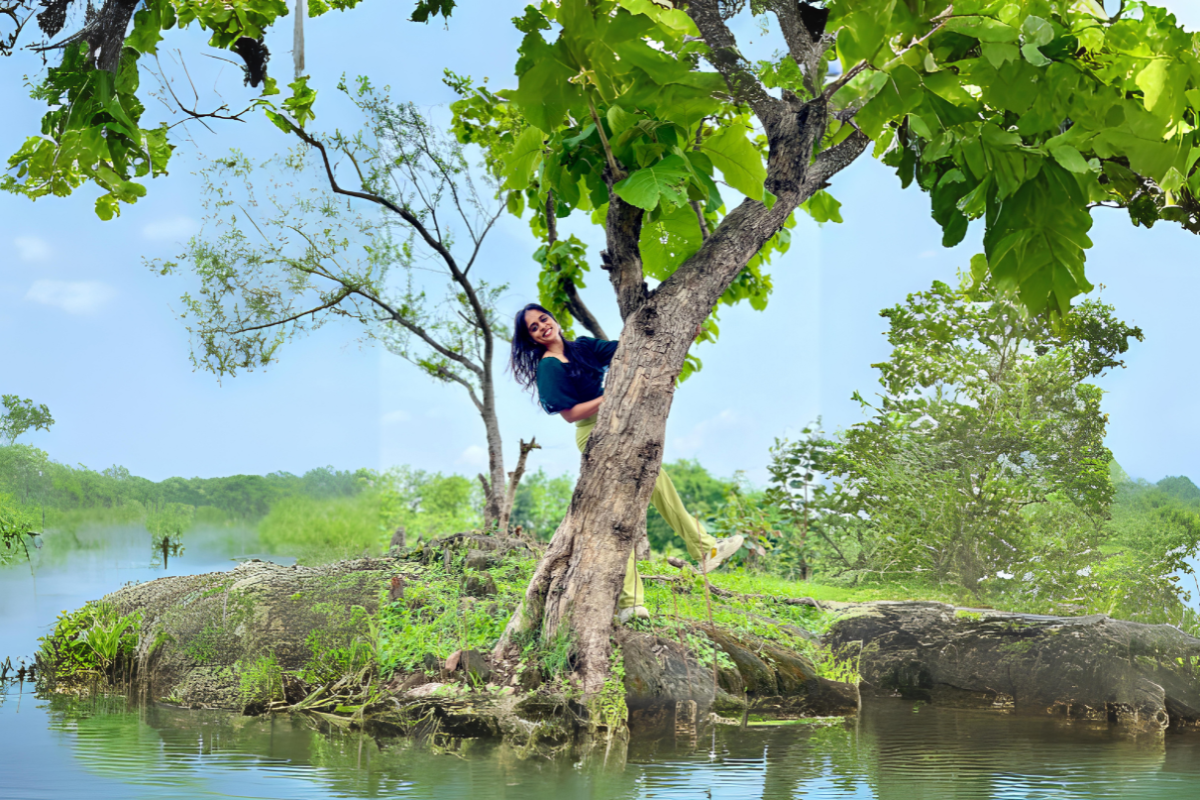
32,478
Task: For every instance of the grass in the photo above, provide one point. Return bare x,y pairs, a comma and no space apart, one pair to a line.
436,617
323,531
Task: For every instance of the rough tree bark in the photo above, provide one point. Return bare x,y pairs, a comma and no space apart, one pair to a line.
577,582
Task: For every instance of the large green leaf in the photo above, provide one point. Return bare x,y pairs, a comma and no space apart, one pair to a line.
544,91
738,159
523,160
664,183
1036,240
669,241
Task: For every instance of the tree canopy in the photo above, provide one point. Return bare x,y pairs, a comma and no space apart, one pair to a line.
21,415
1027,115
93,131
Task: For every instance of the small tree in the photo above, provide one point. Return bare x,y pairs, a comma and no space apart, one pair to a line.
21,415
985,452
275,263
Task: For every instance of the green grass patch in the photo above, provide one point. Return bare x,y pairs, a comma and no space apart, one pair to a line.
435,615
323,531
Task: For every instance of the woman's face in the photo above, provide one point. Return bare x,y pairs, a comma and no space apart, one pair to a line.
542,327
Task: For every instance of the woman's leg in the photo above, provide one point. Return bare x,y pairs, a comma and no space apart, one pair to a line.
668,502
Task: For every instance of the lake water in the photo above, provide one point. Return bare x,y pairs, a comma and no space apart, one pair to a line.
60,749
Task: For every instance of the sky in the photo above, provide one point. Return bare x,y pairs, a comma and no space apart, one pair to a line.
89,329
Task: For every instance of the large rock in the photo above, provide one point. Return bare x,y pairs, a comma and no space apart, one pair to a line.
1141,677
201,632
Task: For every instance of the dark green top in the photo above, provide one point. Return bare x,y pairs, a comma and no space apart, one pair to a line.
561,386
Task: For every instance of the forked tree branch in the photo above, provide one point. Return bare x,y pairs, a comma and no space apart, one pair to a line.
514,477
432,241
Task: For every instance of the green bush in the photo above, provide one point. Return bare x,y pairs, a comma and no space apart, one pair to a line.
92,640
15,523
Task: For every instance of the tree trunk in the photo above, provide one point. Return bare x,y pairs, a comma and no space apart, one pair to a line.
577,582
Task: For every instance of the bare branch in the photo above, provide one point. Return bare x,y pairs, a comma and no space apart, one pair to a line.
700,218
276,323
448,375
434,243
514,477
832,161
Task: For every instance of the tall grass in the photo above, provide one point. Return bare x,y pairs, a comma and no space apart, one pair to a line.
320,531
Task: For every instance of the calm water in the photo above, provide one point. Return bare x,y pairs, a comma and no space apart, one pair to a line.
60,750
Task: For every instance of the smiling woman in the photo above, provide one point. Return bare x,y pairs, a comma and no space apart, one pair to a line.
568,379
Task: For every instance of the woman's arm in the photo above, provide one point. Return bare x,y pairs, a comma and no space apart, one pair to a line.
583,410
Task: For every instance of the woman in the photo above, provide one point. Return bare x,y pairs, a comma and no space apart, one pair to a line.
568,378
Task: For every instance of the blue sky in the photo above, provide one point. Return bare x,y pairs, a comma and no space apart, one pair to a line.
90,331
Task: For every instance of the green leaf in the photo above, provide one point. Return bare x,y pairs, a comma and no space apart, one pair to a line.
1000,54
739,161
669,241
662,184
1037,239
544,91
985,29
522,161
823,207
1037,31
1071,159
1034,56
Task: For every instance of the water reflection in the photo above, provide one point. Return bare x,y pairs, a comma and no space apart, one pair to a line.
891,752
58,749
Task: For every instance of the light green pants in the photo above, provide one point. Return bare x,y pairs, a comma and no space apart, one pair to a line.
669,504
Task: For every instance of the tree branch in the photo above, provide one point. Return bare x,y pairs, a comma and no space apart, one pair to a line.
728,60
434,243
342,295
575,304
623,257
448,375
514,477
805,46
832,161
392,313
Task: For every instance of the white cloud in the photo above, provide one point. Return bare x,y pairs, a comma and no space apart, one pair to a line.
175,228
31,248
74,297
929,254
474,457
690,443
396,417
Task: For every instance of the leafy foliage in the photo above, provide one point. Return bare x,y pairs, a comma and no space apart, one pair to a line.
599,100
21,415
93,640
16,523
984,457
92,131
1028,115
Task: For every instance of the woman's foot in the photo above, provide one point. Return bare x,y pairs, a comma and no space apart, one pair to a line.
720,551
633,612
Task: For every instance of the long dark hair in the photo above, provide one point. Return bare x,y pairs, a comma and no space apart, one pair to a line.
526,353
